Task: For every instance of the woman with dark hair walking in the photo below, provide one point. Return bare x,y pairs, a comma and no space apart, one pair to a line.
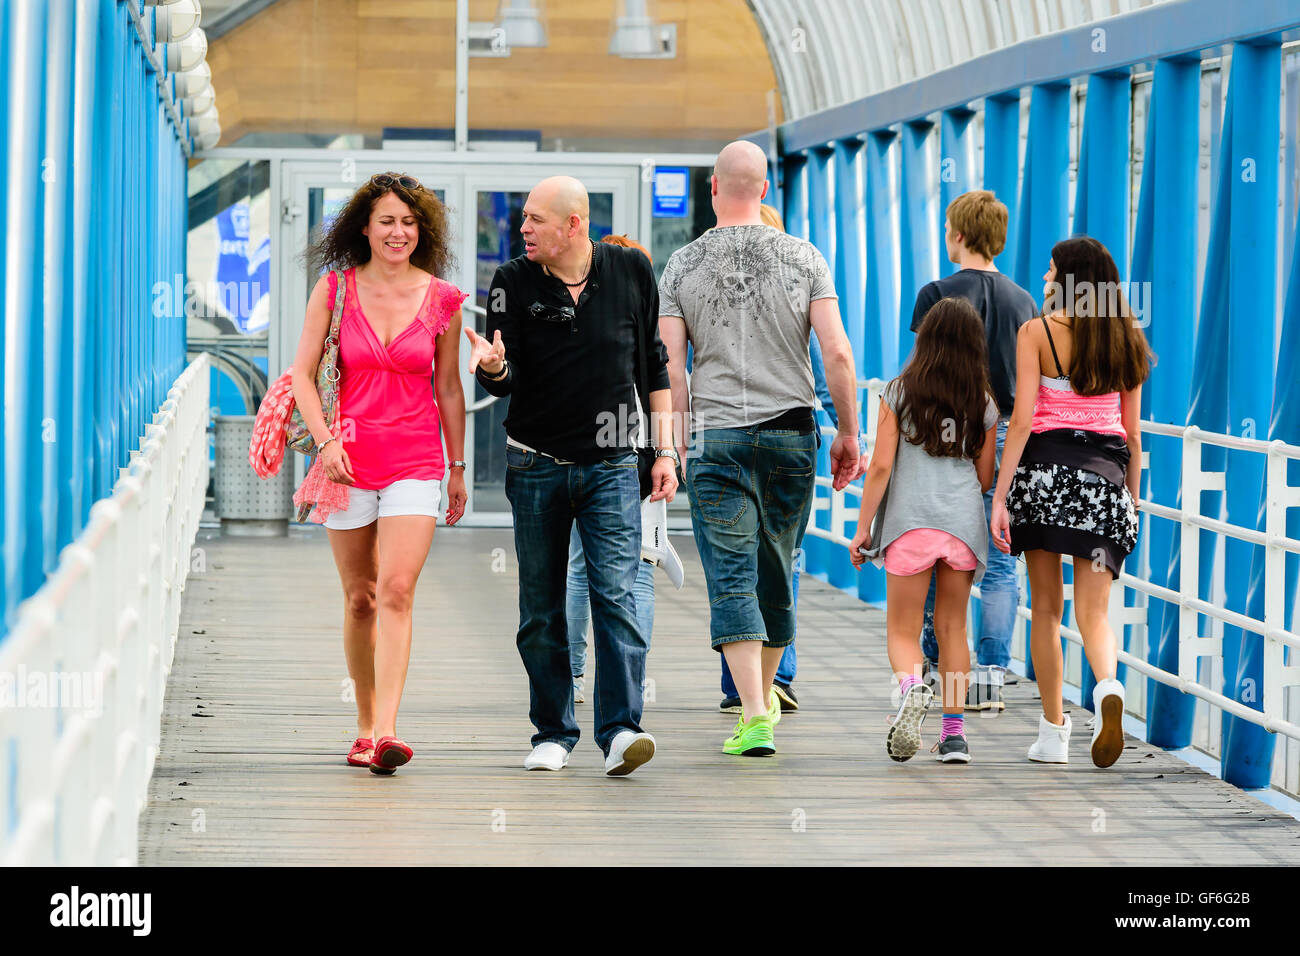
400,398
1070,475
923,512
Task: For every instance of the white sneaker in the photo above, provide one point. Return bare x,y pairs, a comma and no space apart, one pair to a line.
579,691
1053,743
1108,724
547,755
627,751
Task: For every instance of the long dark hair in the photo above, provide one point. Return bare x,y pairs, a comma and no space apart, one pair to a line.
945,385
1110,352
343,246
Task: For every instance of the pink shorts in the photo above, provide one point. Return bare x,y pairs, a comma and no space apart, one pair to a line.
918,550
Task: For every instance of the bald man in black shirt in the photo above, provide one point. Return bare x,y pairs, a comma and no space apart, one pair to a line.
573,329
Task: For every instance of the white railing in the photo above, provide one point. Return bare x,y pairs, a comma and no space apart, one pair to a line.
1280,680
87,662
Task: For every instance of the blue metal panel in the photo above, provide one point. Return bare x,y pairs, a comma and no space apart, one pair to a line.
1044,196
850,283
1168,204
918,228
82,363
1252,281
1101,207
956,170
22,362
882,299
1002,165
6,601
1159,30
59,450
850,247
819,554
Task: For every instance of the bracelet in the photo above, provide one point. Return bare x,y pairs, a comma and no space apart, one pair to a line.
505,366
458,464
321,447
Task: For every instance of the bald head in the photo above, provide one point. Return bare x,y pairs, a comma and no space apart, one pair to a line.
741,169
555,223
563,196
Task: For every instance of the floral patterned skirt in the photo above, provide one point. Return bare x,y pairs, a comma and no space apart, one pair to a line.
1071,511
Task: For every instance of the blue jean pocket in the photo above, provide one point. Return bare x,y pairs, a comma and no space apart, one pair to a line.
716,494
621,461
786,499
518,459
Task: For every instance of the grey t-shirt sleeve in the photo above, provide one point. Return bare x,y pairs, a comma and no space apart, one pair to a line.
890,394
823,283
990,414
668,304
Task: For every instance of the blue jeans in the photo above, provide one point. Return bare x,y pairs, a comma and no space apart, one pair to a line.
751,493
577,604
789,666
999,595
604,499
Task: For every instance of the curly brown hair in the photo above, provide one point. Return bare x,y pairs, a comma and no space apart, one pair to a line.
343,246
944,387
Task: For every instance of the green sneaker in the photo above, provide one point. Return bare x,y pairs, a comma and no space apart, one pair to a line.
774,706
753,738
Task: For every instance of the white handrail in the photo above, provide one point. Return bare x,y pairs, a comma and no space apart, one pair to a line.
85,667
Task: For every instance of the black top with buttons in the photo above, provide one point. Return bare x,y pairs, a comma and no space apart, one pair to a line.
572,367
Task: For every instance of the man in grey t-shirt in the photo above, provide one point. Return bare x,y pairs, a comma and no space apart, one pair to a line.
746,296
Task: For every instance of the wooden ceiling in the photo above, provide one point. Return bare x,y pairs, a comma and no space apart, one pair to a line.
357,66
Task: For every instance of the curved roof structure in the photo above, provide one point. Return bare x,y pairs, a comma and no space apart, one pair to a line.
828,52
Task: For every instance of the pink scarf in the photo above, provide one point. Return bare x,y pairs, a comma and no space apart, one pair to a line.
266,453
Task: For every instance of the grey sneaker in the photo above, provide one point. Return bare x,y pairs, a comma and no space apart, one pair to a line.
579,690
952,749
904,738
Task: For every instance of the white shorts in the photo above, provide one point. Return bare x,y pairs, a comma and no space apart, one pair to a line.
410,496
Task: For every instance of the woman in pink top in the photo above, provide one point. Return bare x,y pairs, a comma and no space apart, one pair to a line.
400,397
1070,473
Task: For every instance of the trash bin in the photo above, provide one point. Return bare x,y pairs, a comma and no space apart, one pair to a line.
247,505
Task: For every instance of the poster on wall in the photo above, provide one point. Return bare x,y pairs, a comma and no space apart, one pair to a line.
243,275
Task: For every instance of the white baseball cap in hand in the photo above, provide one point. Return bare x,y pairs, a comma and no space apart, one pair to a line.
655,545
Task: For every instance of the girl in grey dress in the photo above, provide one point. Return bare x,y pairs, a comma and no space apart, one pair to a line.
923,511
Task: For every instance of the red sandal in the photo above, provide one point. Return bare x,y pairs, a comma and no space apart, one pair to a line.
360,746
390,753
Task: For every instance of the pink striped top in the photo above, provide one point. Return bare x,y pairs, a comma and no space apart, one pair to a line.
1059,406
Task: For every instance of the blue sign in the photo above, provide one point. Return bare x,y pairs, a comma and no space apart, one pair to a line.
671,192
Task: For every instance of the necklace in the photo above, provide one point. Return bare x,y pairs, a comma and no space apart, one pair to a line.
591,257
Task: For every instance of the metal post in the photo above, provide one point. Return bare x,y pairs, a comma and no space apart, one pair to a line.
918,239
1255,85
819,554
956,169
462,75
1168,205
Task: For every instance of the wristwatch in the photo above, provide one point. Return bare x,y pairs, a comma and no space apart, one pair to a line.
669,453
458,464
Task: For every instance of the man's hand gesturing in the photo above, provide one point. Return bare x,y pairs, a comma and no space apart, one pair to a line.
491,356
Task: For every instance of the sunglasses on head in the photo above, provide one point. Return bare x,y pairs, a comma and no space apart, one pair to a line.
551,313
384,180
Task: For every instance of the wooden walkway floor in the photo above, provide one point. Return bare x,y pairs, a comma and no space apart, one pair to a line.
255,727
